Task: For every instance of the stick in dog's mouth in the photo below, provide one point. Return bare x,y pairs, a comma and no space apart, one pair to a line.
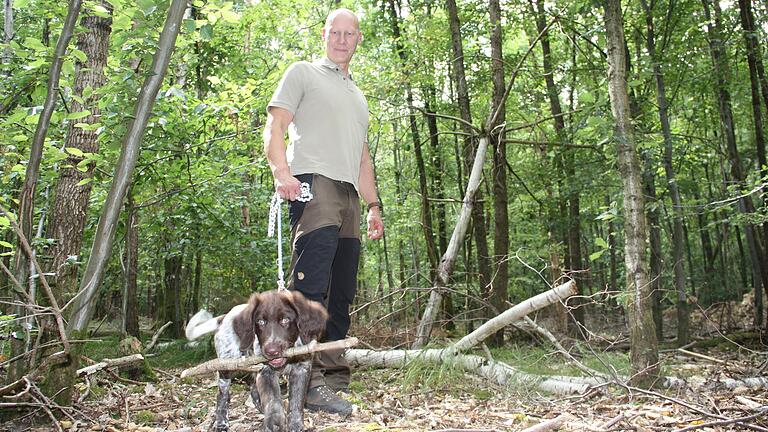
278,362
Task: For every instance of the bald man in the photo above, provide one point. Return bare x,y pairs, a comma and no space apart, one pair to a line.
326,117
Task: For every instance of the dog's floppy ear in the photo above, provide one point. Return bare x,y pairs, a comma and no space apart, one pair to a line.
244,322
312,316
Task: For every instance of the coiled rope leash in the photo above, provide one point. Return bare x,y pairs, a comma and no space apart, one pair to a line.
275,216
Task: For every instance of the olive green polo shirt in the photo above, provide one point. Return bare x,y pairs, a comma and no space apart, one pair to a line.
330,120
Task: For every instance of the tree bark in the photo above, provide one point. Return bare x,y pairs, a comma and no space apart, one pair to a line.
755,62
644,356
7,36
102,244
499,295
555,107
426,208
721,71
678,240
462,92
172,266
27,193
131,263
445,268
654,233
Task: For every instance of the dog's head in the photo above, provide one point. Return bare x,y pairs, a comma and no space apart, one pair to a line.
278,320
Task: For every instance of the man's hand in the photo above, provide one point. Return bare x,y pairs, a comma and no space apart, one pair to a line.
287,186
375,224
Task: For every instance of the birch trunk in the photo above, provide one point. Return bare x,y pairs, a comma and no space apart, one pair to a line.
644,356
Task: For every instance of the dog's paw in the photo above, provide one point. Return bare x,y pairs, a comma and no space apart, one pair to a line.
220,426
295,425
274,422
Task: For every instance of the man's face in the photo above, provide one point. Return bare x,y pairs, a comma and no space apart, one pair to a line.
341,38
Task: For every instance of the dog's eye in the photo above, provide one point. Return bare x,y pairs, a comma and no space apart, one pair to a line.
285,321
261,323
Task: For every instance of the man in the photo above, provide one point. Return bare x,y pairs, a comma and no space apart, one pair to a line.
326,116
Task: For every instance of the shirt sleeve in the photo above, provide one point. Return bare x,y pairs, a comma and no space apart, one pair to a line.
289,90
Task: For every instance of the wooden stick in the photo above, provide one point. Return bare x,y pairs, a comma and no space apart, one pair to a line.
253,363
152,343
701,356
551,424
109,363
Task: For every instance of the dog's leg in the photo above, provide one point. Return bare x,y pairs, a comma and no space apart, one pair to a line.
222,402
297,394
251,380
268,387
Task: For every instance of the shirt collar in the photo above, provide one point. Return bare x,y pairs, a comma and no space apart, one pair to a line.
325,61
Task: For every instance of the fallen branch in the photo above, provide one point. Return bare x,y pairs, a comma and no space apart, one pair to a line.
739,421
253,364
109,363
498,373
551,424
515,313
701,356
152,342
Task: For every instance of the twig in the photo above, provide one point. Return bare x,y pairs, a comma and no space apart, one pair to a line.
152,343
691,407
554,423
739,421
252,363
51,298
701,356
109,363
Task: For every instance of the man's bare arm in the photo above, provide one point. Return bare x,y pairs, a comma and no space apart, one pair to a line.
367,185
278,120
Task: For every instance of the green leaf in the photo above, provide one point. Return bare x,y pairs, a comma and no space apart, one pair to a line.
88,126
4,222
5,243
85,181
189,25
19,138
78,115
206,32
34,44
602,243
36,64
147,6
100,11
79,55
214,80
74,151
596,255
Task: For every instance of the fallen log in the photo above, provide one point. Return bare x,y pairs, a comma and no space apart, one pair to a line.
498,373
109,363
253,364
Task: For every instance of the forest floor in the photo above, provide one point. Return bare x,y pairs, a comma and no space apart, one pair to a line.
423,397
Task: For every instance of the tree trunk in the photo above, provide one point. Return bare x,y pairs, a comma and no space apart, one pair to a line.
131,264
27,193
499,295
654,232
457,238
721,71
426,209
105,231
644,356
574,223
172,265
7,36
462,92
755,62
674,192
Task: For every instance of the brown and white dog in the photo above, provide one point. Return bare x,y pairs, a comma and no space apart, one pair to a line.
267,325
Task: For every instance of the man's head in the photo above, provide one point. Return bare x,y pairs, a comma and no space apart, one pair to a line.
341,34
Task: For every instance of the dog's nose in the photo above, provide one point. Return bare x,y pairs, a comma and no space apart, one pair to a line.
272,351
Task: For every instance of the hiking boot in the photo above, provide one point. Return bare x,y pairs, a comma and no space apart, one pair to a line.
322,398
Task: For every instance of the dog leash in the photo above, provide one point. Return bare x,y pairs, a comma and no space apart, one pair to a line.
275,216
